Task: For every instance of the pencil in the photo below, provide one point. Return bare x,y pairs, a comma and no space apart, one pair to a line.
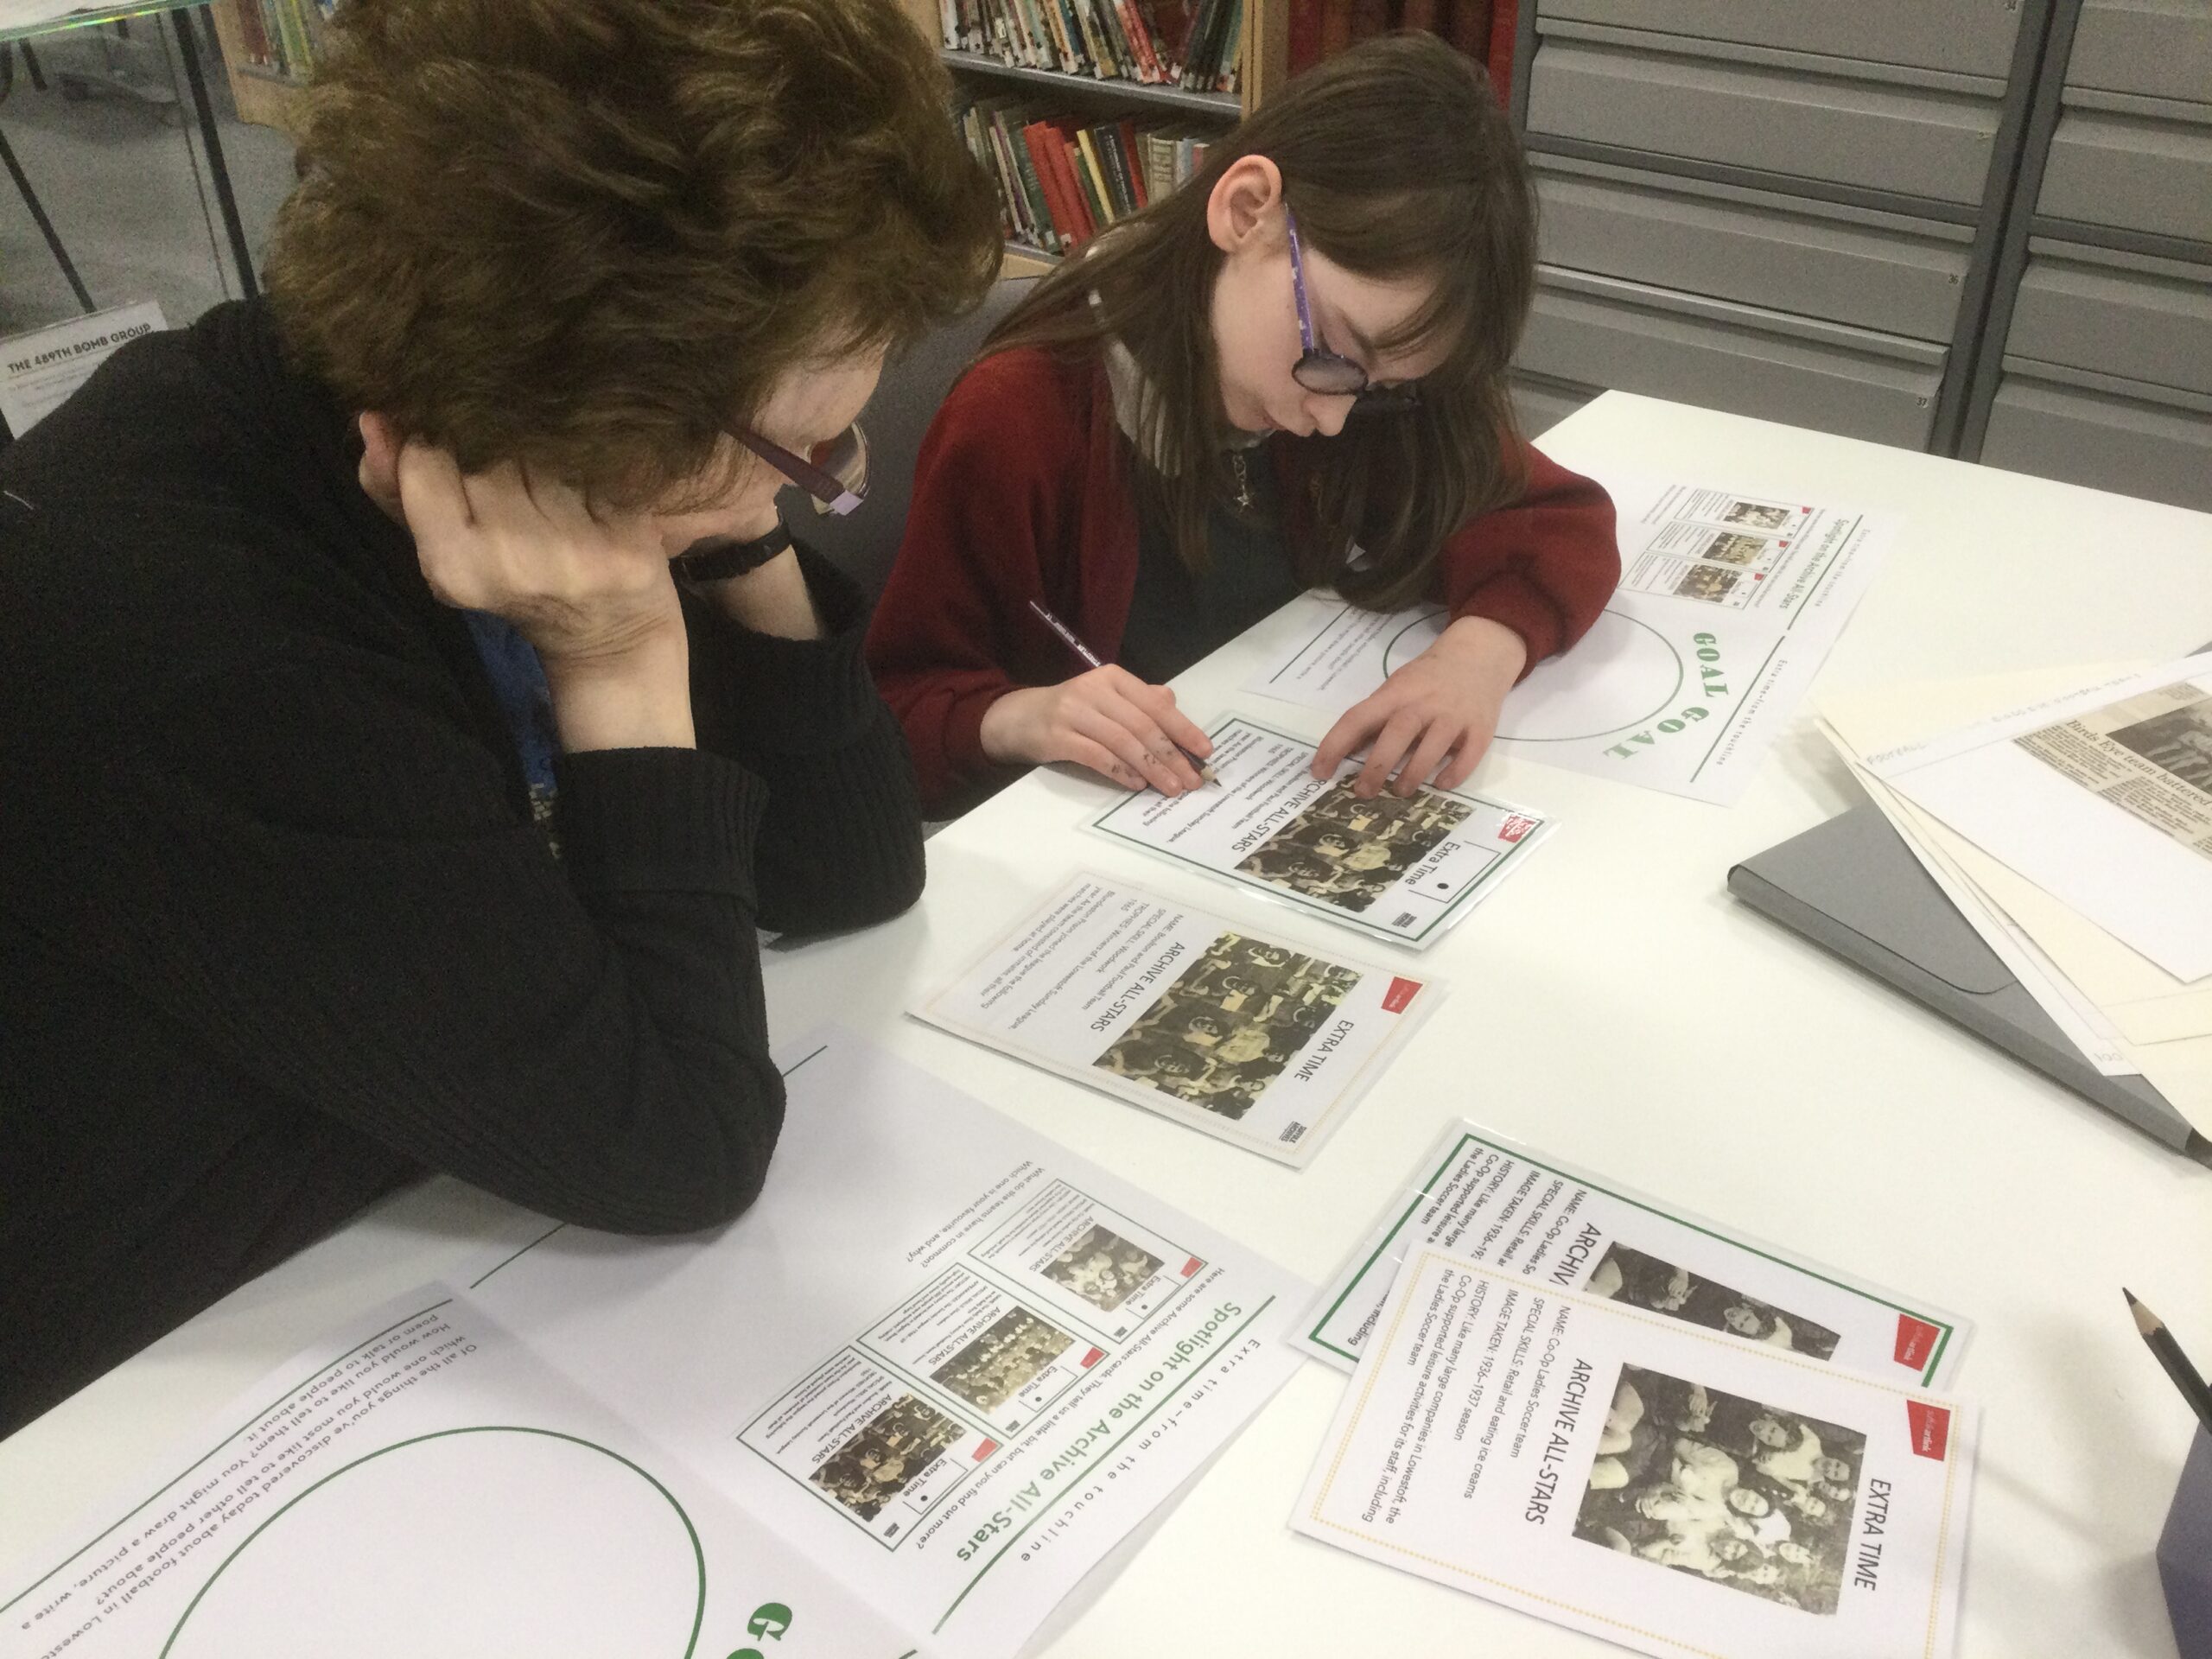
2161,1342
1089,659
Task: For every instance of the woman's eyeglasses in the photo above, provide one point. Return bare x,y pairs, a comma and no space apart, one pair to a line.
834,472
1329,372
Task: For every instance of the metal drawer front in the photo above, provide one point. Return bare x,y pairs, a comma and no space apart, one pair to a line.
1971,36
1913,140
2159,48
2157,450
1680,351
1879,270
2147,319
2131,171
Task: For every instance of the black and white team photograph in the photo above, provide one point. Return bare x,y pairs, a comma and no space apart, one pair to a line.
1348,852
1229,1024
1740,1494
1626,1275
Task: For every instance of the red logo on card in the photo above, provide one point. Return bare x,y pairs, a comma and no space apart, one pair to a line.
1515,827
1915,1341
1191,1267
1093,1357
1931,1429
985,1450
1401,995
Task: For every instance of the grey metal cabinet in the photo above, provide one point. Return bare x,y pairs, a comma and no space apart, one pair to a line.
2096,361
1980,227
1785,208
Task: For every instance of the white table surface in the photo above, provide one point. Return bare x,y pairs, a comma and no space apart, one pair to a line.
1612,1005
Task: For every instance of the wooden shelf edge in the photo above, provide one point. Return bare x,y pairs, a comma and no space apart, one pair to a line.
1224,106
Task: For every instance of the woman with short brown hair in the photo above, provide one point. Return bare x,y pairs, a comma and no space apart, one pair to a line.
411,703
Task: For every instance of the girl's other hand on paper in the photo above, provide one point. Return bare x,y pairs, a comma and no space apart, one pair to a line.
1108,719
1434,717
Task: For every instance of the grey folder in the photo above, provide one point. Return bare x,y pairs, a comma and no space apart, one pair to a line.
1854,886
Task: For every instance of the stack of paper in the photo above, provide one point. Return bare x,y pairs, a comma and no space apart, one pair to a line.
2068,816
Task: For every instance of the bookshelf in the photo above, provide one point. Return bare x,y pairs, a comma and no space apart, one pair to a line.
262,97
1261,61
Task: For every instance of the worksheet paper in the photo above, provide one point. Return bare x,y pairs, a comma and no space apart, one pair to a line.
946,1360
1237,1032
1480,1198
39,369
927,1383
1398,869
422,1484
1648,1482
1728,604
2103,798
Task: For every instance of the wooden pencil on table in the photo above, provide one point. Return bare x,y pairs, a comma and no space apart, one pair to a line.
2160,1341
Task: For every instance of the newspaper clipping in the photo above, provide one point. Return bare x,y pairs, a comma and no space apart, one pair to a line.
1641,1479
1481,1199
2151,755
2101,795
1243,1036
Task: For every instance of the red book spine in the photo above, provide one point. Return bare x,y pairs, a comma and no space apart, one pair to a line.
1305,34
1336,27
1468,28
1139,44
1126,130
1043,144
1503,16
1086,223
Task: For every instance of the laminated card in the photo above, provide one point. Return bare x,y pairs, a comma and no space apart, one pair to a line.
1401,869
1660,1485
1239,1032
1478,1197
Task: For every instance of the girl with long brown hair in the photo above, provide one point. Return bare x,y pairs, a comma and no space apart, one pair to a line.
1289,373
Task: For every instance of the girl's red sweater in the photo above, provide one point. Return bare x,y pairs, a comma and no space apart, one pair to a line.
1022,490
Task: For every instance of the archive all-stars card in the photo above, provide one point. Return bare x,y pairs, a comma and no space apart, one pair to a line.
1654,1483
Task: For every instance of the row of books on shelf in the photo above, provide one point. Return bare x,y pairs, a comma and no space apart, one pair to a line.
283,37
1153,42
1061,182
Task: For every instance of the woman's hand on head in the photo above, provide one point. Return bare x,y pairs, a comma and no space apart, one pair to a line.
1434,717
594,596
1108,719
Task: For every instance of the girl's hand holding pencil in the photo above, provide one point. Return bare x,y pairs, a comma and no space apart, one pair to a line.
1108,719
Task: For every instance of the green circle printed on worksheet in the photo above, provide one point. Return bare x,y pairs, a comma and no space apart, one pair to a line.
1621,674
473,1543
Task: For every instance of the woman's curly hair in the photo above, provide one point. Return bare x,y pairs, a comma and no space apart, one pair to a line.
590,236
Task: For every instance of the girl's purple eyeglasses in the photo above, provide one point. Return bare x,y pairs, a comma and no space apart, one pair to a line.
1326,372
